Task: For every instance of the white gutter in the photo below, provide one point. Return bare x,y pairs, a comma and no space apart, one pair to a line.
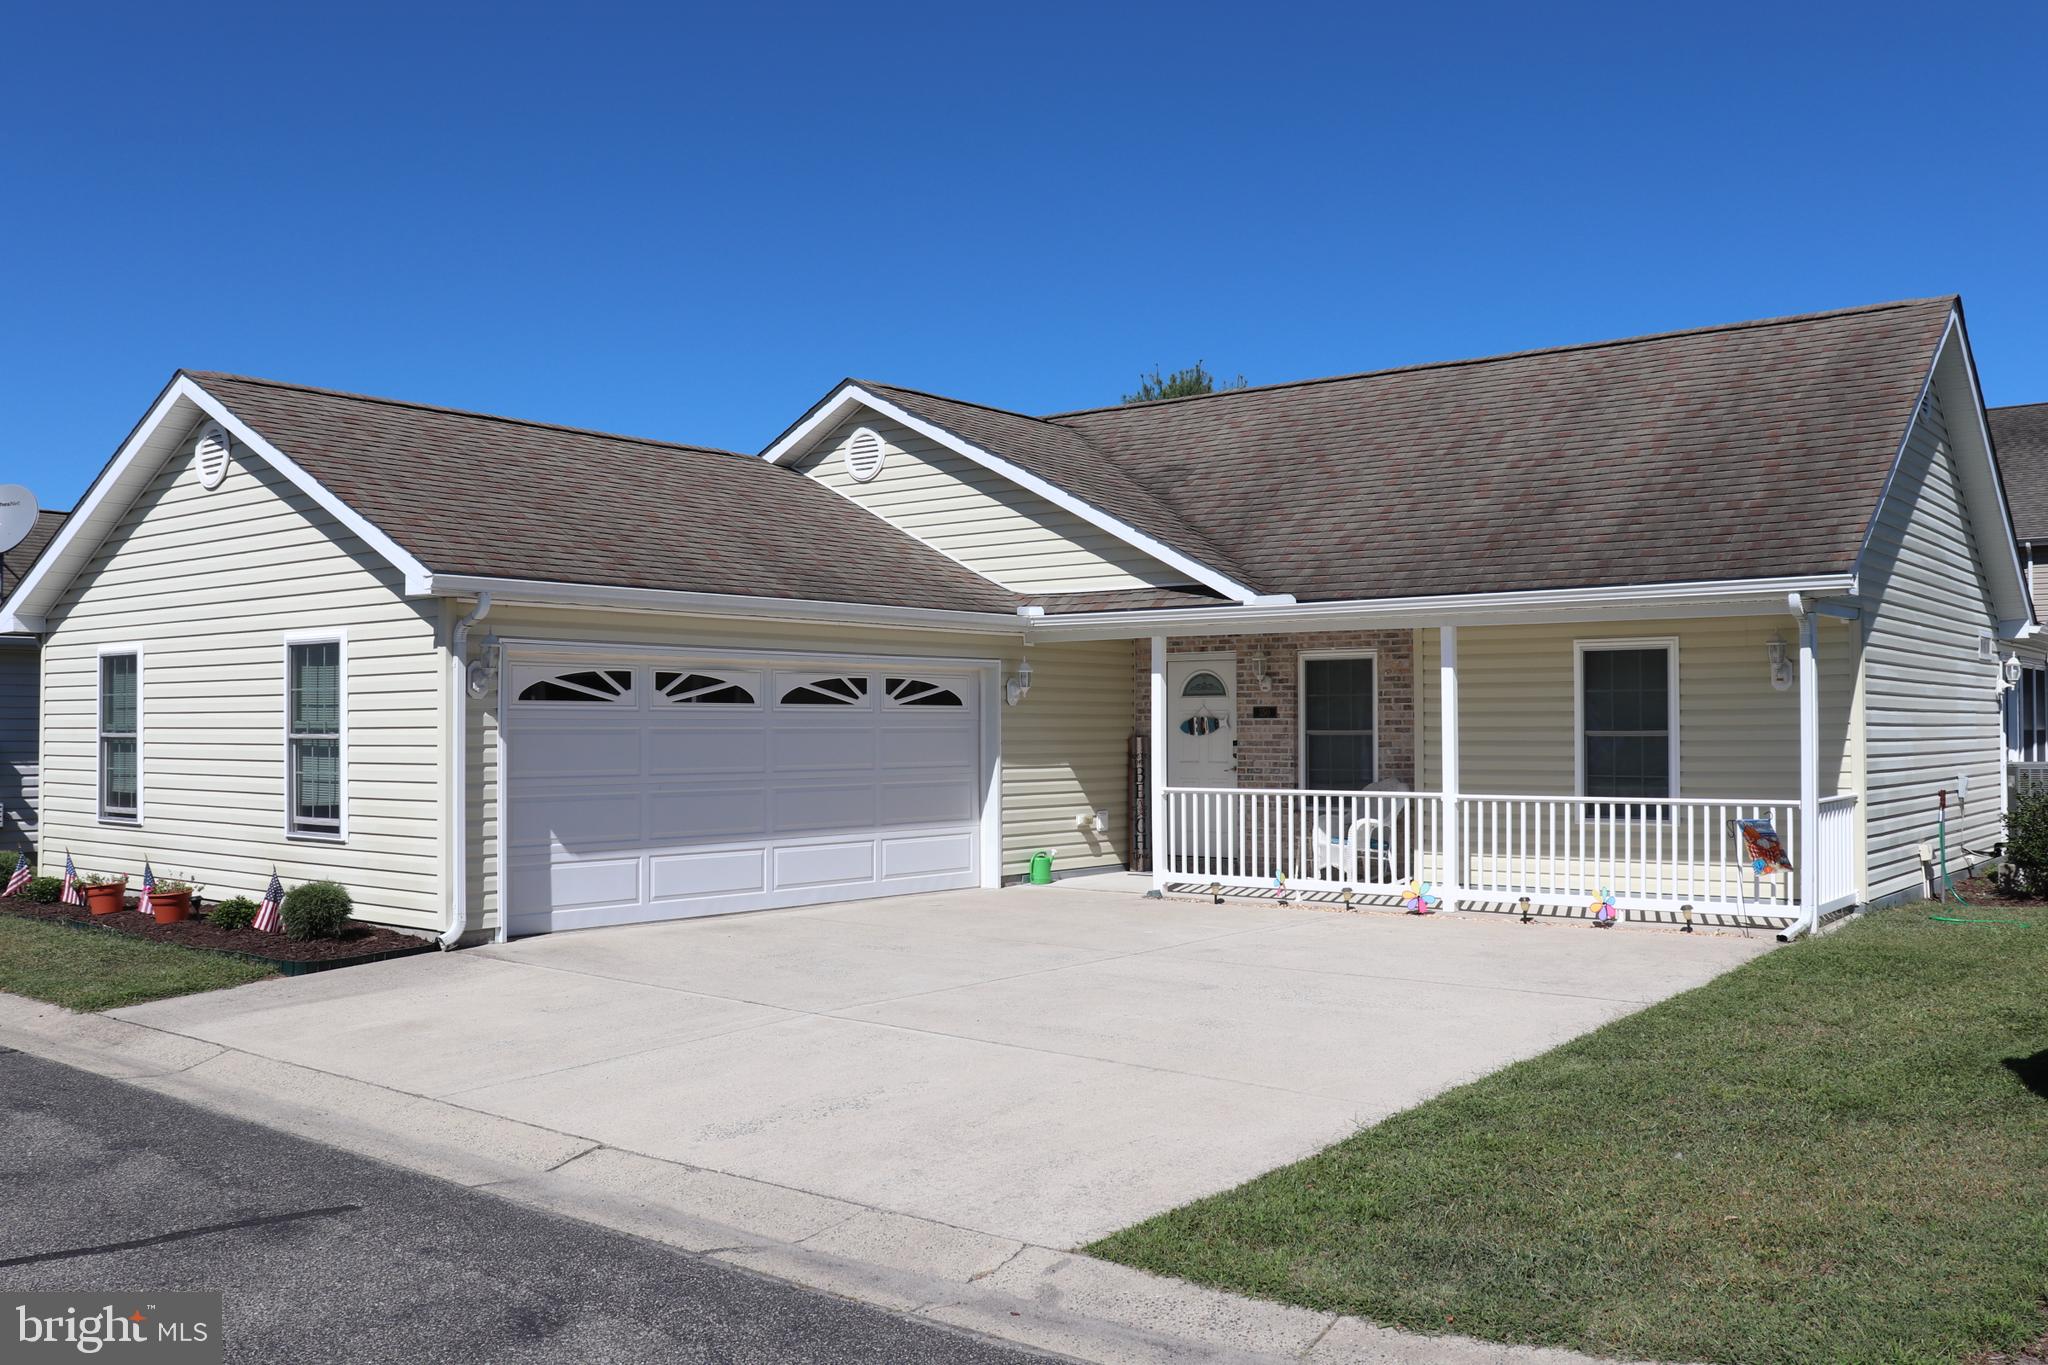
1755,596
601,597
458,771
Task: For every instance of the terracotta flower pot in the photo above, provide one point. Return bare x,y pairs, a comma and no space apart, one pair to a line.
171,906
105,900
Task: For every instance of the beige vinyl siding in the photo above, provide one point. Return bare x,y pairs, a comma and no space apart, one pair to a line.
1066,752
1738,737
1063,749
1932,707
980,518
18,682
209,584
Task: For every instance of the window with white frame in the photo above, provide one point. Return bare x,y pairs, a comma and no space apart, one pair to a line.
1626,703
313,738
2027,707
1338,751
120,730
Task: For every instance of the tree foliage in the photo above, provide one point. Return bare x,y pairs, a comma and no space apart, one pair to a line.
1195,379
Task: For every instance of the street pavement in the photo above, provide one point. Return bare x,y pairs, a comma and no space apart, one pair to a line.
326,1256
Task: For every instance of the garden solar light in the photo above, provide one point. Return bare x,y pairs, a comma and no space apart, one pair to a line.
1527,916
1216,890
1685,911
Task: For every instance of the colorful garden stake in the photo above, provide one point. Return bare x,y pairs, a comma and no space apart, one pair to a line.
1604,912
1419,900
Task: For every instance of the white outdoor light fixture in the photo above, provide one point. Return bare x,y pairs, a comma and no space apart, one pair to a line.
1781,665
1019,685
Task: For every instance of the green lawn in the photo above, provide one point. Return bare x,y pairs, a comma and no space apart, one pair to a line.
82,970
1838,1152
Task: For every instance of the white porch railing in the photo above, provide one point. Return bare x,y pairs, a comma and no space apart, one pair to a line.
2028,778
1554,850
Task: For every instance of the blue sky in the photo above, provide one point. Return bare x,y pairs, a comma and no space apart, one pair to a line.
689,224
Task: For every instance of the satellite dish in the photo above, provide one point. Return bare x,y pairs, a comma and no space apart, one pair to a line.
17,515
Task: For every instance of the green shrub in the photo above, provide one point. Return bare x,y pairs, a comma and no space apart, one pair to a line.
2025,868
9,860
316,910
236,912
43,890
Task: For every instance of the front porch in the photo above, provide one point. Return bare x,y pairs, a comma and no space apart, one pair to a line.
1604,761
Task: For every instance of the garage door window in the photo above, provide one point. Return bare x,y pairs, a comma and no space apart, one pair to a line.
918,692
702,689
588,685
847,691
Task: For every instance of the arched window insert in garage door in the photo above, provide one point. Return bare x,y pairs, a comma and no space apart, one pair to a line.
701,689
919,692
586,685
851,690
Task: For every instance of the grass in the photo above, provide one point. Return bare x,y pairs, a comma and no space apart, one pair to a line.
82,970
1837,1152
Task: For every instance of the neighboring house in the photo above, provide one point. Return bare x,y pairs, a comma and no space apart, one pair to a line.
18,691
1541,625
2021,436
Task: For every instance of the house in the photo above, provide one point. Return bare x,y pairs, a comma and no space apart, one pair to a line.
2020,434
1543,625
18,697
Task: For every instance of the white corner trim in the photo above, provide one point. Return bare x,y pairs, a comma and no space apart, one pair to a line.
28,608
850,395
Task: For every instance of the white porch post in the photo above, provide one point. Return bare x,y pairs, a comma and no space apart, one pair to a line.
1157,757
1809,767
1447,674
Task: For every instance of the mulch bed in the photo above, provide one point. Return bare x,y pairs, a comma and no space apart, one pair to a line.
360,942
1982,891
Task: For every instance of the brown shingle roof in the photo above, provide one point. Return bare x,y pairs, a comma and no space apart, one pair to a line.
1745,451
491,496
16,562
2020,435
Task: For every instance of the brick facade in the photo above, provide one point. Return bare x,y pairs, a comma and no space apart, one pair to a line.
1267,749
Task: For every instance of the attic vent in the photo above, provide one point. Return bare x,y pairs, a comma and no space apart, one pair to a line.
863,455
210,454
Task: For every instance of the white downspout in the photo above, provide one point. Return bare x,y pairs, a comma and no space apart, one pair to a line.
458,771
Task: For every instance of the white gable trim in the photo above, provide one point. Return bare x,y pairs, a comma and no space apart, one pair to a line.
1952,374
130,471
796,441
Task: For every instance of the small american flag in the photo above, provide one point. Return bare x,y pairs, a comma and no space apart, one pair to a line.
148,890
23,870
71,894
273,897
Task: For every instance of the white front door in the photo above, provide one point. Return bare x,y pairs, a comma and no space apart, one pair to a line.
642,790
1201,751
1201,721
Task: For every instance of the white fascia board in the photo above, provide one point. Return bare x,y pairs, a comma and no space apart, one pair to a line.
123,478
602,597
1648,602
1983,490
416,574
850,396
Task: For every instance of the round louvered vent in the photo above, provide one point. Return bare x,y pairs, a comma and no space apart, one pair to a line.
863,455
210,454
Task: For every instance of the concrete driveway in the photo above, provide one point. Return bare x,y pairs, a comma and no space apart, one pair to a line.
1043,1064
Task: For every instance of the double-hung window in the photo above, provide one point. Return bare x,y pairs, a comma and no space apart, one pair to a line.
120,731
1627,720
315,774
1337,739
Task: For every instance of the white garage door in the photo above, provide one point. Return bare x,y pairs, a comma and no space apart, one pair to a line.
643,791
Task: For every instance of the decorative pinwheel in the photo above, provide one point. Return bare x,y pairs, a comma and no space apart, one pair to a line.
1419,900
1605,912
